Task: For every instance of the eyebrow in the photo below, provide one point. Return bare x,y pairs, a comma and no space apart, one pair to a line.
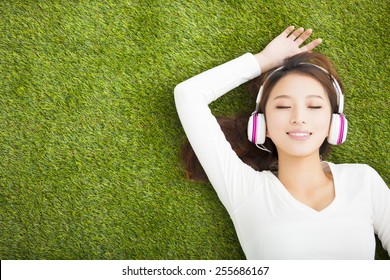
309,96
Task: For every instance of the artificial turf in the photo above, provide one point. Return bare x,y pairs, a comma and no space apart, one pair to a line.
90,138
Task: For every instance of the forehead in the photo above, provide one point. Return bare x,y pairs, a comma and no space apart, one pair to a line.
298,85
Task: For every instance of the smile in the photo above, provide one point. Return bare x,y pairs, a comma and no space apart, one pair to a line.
299,135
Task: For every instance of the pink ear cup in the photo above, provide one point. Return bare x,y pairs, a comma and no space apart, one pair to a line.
256,128
338,129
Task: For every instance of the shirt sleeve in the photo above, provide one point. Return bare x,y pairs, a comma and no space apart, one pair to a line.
380,195
226,172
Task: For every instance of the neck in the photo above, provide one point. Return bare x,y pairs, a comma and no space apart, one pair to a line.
301,174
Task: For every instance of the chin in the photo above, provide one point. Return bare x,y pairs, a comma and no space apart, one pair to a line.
300,149
300,153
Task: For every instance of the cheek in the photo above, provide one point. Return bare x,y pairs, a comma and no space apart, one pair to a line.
321,125
273,121
323,120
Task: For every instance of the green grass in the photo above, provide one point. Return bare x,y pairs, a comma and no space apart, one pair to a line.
89,135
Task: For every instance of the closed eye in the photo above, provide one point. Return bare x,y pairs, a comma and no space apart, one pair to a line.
283,107
315,107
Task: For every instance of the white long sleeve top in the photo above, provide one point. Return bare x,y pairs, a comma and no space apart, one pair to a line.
269,221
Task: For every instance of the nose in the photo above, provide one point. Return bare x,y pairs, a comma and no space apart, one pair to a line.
298,116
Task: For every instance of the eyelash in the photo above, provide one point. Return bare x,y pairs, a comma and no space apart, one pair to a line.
288,107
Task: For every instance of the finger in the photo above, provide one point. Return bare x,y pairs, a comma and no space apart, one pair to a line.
311,45
288,30
296,33
302,38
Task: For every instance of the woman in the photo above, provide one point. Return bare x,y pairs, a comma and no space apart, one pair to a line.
285,202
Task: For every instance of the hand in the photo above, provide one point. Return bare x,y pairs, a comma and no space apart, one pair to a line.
283,46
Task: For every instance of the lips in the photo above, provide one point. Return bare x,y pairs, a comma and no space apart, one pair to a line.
299,135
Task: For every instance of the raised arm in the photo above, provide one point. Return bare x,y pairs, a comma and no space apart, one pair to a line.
230,177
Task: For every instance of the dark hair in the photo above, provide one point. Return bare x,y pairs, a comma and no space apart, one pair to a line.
235,128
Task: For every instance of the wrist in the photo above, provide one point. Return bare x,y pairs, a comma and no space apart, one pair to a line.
264,63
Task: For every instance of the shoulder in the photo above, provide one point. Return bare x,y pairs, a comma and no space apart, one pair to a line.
353,174
356,168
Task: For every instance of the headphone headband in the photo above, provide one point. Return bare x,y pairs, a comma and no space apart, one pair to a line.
336,85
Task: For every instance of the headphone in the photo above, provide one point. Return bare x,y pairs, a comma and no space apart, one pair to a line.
338,126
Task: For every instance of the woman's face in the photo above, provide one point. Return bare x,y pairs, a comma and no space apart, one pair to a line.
298,114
